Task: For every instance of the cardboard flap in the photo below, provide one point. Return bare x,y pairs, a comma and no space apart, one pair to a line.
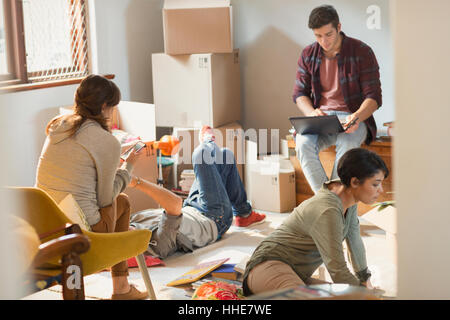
251,152
268,168
185,4
385,219
284,148
284,164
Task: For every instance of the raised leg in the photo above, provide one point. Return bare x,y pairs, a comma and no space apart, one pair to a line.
208,193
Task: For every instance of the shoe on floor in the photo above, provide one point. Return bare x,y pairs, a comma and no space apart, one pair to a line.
252,219
133,294
206,134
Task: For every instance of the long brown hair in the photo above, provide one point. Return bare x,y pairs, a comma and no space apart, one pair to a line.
93,92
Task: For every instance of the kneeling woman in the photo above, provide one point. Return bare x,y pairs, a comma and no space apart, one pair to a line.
314,232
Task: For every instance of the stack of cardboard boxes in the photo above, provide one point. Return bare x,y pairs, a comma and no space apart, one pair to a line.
196,81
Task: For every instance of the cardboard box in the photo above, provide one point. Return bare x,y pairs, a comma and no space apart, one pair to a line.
195,90
386,220
251,158
137,119
194,26
271,181
229,136
133,117
273,187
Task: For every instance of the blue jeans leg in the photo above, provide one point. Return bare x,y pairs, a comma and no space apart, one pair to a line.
233,184
347,141
309,146
217,190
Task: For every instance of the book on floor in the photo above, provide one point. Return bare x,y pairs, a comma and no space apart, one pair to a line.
225,271
197,272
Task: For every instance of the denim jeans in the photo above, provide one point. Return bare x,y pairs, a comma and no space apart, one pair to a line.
309,145
217,191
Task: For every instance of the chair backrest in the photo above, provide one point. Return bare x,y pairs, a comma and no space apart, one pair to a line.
36,207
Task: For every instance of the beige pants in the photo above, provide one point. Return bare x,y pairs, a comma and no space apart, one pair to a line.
115,218
273,275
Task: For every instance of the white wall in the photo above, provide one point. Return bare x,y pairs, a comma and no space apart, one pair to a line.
25,115
422,155
271,35
128,32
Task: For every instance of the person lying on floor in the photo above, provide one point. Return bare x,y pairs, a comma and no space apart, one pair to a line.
216,196
313,233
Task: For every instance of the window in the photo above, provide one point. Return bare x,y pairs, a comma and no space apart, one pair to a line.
42,40
4,63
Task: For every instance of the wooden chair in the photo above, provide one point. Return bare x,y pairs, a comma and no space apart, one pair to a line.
106,249
33,254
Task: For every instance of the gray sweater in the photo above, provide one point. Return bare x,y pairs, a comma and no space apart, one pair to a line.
85,165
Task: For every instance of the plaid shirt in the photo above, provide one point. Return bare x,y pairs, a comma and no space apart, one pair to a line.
358,74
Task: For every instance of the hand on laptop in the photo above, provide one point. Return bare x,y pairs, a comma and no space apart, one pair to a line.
316,113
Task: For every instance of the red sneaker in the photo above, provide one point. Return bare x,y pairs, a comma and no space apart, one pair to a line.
252,219
206,134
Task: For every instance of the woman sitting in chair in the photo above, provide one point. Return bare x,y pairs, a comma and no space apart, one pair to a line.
81,157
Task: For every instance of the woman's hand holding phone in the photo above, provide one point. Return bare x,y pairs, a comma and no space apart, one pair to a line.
131,156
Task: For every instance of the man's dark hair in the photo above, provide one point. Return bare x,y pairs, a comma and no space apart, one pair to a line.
322,16
361,164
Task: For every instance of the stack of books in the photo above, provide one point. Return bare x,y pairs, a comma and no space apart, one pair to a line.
231,271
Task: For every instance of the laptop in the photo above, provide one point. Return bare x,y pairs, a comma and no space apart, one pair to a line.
317,125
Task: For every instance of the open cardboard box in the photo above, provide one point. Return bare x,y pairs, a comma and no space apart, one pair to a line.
385,219
137,119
